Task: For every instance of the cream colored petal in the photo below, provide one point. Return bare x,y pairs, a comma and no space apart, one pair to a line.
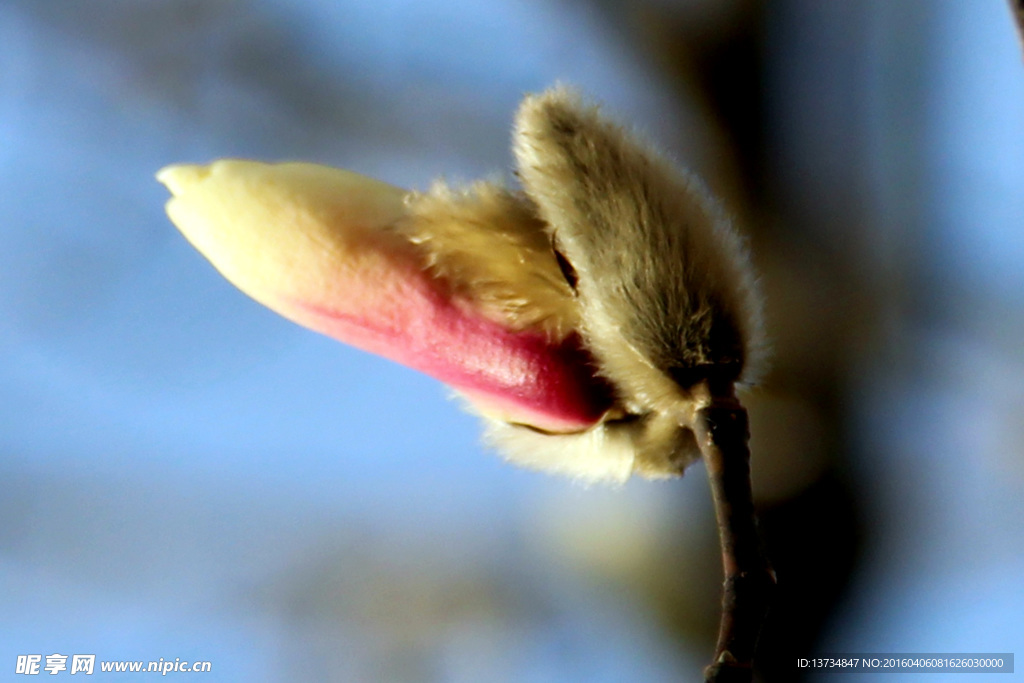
319,246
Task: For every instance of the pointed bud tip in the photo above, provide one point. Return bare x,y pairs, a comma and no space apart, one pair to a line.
178,177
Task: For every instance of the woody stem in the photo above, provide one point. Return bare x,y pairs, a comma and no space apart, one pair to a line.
722,433
1017,8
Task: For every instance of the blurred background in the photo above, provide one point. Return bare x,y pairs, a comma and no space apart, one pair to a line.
185,475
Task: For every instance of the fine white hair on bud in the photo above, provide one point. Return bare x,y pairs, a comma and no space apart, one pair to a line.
664,281
666,292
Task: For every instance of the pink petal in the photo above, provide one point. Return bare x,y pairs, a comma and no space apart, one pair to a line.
315,244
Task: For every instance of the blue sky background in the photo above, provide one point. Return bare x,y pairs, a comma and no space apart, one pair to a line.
184,474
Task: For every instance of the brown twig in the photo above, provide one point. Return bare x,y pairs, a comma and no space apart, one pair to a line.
1017,8
722,433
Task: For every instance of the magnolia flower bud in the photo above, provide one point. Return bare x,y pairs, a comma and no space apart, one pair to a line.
573,317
